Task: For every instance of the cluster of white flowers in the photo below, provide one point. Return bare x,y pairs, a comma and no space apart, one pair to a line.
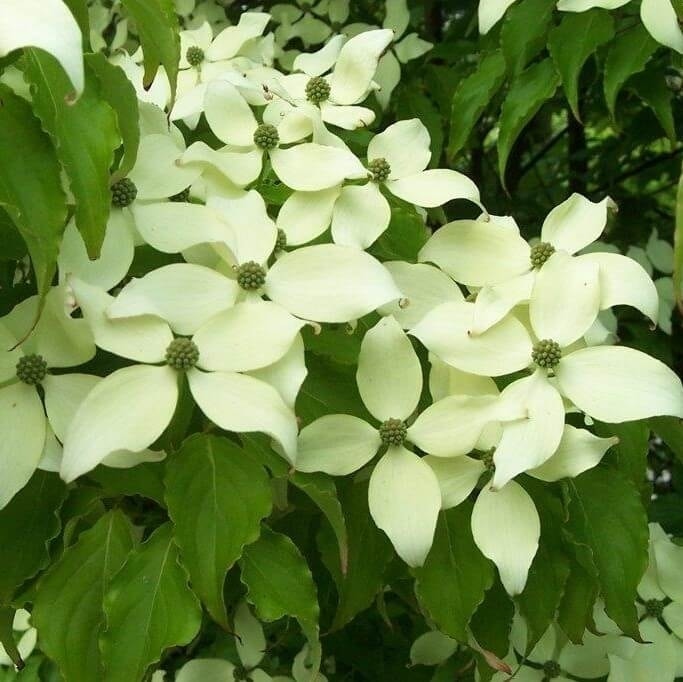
513,332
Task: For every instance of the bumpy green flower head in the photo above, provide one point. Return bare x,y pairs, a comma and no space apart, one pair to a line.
317,90
182,354
654,608
182,196
281,241
194,55
487,460
266,136
551,670
251,276
31,369
123,193
393,432
380,169
546,353
540,253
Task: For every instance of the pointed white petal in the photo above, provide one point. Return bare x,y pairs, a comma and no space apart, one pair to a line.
51,457
491,12
389,374
190,103
239,167
502,349
330,283
22,423
347,117
432,648
565,300
356,65
228,115
616,384
434,187
337,444
660,19
445,380
404,499
506,528
528,442
495,301
127,410
404,146
240,403
10,354
653,661
575,223
306,215
143,338
63,395
387,77
397,17
246,336
320,62
125,459
623,281
477,253
411,47
184,295
583,5
669,558
231,39
360,216
250,640
206,670
310,167
457,477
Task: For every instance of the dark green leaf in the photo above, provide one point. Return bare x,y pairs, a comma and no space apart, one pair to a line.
524,31
216,497
630,454
670,430
68,606
678,246
455,576
79,8
13,246
651,87
404,237
7,640
575,612
149,608
145,479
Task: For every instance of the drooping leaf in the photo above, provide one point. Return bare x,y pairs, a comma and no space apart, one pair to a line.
452,583
572,42
651,87
27,524
149,607
216,497
279,584
630,453
471,97
575,613
30,184
145,479
527,94
68,607
605,505
523,33
7,640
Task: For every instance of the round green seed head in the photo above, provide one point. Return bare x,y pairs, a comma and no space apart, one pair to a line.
31,369
317,90
194,55
540,254
123,193
182,196
380,170
654,608
182,354
281,241
251,276
546,353
266,136
551,670
487,460
393,432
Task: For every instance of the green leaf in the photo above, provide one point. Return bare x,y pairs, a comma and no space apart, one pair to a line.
27,524
79,8
149,608
670,430
651,87
678,246
85,136
630,454
279,584
157,25
628,54
369,554
30,185
607,518
120,94
13,246
145,479
216,497
322,490
7,640
523,33
575,612
526,96
404,237
472,97
68,608
455,576
571,43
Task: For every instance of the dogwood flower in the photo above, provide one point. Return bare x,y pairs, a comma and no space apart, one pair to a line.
303,22
493,256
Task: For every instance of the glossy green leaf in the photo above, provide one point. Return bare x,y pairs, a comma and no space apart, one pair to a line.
575,613
405,236
68,608
30,184
630,454
149,607
572,42
526,96
145,479
7,640
524,30
455,576
216,497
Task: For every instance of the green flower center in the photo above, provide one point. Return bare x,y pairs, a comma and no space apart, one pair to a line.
241,674
181,196
393,432
182,354
540,254
546,353
31,369
194,55
654,608
251,276
380,169
551,670
487,460
123,193
266,136
317,90
281,241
